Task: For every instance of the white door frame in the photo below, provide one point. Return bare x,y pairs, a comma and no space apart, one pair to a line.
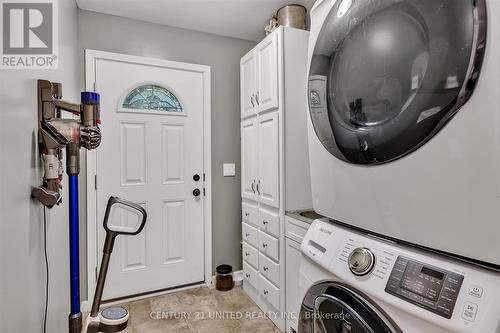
93,254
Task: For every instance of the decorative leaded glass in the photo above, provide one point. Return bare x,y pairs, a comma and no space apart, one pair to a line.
152,97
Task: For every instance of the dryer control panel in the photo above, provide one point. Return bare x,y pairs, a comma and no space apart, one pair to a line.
429,287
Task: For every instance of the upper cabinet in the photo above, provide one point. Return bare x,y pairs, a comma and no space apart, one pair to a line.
259,78
267,73
247,78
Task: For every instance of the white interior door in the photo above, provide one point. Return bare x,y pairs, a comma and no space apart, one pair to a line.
249,168
150,157
268,161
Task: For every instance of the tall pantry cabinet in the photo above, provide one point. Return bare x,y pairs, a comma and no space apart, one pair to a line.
274,160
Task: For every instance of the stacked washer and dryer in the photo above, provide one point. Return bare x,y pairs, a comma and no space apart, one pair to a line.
404,144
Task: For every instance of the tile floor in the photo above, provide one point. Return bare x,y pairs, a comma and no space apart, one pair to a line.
198,310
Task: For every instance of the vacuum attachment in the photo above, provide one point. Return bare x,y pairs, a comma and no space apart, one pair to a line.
56,134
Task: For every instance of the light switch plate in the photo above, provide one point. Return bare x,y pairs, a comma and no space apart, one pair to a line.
229,170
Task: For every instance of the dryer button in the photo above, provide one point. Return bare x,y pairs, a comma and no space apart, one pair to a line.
476,291
470,310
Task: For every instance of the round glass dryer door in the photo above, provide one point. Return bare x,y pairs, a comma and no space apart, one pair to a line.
386,75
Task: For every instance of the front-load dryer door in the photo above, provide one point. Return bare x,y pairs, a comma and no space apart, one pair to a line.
332,307
386,75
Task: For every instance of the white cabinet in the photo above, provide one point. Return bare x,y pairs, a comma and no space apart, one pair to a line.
259,78
248,87
249,158
268,181
260,159
274,160
293,301
267,74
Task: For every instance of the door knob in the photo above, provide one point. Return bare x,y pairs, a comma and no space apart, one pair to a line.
196,177
196,192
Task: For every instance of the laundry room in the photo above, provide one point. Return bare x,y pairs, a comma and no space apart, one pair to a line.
258,166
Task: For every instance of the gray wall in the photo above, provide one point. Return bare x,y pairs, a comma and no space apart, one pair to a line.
22,276
121,35
21,242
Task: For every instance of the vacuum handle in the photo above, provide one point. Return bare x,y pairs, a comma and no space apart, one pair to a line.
111,233
128,206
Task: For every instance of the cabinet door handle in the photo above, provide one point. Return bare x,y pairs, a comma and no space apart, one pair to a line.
247,214
264,245
257,98
253,186
264,222
265,268
247,275
266,292
251,100
247,254
247,234
258,187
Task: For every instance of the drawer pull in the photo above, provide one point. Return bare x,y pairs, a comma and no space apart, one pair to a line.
264,245
264,222
265,268
266,292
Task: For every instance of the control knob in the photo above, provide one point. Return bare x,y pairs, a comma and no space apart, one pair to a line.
361,261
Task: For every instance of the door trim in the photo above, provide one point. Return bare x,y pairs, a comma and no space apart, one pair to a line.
92,251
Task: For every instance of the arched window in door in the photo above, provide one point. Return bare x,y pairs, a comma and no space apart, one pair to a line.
152,97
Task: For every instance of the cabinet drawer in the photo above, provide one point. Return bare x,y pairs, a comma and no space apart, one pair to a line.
269,269
251,255
250,275
249,214
250,234
269,222
269,292
269,245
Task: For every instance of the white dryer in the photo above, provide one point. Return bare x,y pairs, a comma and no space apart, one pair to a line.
404,126
353,282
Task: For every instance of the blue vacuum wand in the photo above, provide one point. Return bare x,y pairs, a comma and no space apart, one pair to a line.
55,134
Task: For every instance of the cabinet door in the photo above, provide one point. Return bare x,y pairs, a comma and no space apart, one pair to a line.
249,142
267,73
268,161
247,77
293,301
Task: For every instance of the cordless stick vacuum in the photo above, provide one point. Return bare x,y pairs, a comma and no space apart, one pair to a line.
113,319
56,133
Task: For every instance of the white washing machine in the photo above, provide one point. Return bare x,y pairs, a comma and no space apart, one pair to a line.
404,126
352,282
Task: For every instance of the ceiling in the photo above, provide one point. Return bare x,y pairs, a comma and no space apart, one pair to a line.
243,19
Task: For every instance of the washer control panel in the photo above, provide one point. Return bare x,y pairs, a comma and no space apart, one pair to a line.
361,261
429,287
